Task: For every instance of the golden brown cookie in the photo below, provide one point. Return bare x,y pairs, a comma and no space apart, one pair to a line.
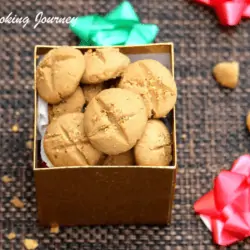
154,82
73,103
114,120
59,74
155,146
91,90
123,159
227,74
66,144
104,64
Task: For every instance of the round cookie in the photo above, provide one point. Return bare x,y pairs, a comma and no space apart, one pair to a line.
91,90
123,159
115,120
104,64
73,103
154,82
66,144
59,74
155,146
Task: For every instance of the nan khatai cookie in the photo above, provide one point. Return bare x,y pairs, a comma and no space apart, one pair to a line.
124,159
59,74
66,144
155,146
104,64
91,90
115,120
154,82
73,103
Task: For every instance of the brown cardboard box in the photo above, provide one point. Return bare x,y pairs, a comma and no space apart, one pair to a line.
89,195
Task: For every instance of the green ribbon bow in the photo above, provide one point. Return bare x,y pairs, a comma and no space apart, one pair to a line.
121,26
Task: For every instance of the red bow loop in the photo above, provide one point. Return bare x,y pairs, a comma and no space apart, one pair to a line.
227,184
226,209
229,12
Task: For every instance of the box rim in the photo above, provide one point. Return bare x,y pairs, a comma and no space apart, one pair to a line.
36,47
171,44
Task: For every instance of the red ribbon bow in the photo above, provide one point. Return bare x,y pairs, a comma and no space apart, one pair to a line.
226,209
229,12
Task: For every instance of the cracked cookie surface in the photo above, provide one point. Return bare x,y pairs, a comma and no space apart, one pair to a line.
154,82
66,144
59,74
72,104
155,146
114,120
104,64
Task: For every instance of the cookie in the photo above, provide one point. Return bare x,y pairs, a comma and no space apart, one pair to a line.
66,144
154,82
124,159
91,90
104,64
73,103
155,146
59,74
227,74
114,120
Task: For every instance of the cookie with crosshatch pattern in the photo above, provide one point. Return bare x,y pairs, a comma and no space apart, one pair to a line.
154,82
59,74
104,64
155,146
66,144
114,120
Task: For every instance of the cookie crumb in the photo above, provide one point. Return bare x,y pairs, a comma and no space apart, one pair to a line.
11,236
248,121
17,202
30,244
29,144
15,128
184,136
227,74
54,229
6,179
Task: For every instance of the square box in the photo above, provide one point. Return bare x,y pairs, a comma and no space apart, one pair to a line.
107,195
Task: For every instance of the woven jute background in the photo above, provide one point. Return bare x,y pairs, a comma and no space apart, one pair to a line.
210,120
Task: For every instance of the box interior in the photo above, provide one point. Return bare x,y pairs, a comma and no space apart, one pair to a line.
160,52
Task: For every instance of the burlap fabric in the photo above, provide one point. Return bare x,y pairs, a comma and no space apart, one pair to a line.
210,120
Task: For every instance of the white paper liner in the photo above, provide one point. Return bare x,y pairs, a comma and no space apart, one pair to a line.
43,115
42,123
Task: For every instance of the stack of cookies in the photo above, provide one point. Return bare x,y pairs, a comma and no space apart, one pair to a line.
104,110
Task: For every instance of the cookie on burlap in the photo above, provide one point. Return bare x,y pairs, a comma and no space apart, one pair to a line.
59,74
104,64
227,74
154,82
73,103
66,144
114,120
155,146
123,159
91,90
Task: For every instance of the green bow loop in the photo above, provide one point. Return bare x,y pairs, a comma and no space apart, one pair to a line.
121,26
